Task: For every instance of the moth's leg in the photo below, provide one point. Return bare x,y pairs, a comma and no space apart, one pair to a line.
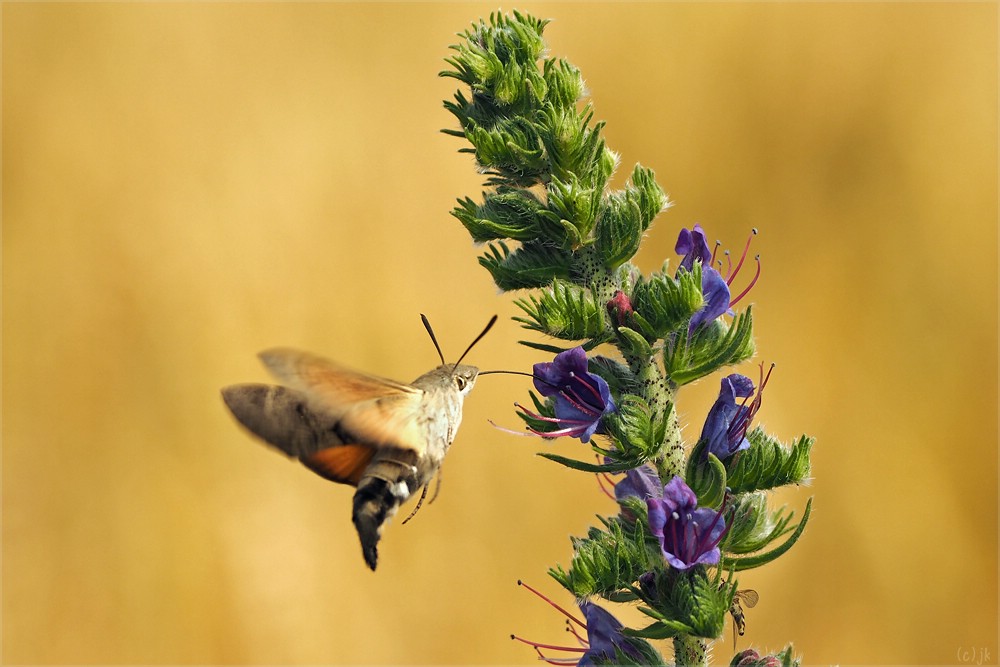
423,494
437,488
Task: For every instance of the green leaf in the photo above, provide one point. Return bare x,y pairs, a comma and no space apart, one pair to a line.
606,561
665,305
565,311
575,148
511,146
556,349
664,629
625,215
633,344
647,194
575,205
711,347
691,599
510,214
752,525
565,84
490,53
544,408
531,265
756,560
637,429
768,464
620,466
619,230
620,378
706,475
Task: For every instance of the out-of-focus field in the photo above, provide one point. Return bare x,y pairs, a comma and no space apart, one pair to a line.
185,184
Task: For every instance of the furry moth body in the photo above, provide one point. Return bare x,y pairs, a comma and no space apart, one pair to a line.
388,439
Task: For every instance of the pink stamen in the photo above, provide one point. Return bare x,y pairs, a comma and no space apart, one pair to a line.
766,377
749,287
593,390
536,645
711,259
600,482
583,641
729,280
556,420
556,661
564,612
760,391
572,432
681,543
705,548
508,430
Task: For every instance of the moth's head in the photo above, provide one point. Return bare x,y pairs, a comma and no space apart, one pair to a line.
464,378
451,377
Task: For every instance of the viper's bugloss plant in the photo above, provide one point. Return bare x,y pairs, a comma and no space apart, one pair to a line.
691,515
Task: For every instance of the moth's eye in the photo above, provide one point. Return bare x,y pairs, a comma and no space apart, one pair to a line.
461,382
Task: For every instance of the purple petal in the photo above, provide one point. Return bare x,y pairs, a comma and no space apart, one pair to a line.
716,293
740,385
604,634
657,514
693,244
641,483
715,432
678,496
551,375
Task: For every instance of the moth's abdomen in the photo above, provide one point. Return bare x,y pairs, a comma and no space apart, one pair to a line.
387,483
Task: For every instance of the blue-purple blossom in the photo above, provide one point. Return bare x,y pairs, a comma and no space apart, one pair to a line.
688,535
641,483
725,427
715,291
582,399
604,636
715,288
729,420
693,244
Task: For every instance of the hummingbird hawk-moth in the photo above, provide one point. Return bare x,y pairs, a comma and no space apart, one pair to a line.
386,438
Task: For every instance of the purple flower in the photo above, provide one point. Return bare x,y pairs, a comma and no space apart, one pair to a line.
641,483
582,399
726,425
604,636
688,535
728,421
693,244
602,644
715,291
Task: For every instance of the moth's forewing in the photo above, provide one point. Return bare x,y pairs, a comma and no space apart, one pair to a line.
282,417
339,386
368,409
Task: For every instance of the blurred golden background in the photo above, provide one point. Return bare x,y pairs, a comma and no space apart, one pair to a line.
187,184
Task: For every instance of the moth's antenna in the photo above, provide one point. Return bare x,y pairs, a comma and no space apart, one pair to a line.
489,325
427,325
